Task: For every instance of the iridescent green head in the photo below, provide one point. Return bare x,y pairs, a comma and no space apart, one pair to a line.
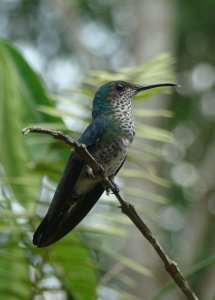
116,93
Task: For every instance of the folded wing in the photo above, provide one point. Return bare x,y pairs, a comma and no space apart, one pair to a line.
66,209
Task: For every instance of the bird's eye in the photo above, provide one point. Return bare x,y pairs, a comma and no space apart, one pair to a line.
120,87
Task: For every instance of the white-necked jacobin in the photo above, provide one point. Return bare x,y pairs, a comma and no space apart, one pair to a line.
107,138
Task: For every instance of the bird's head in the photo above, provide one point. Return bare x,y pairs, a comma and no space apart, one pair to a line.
118,94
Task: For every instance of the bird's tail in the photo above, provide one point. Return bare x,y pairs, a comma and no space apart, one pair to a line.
54,227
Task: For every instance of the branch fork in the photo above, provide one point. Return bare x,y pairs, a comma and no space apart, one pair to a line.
126,207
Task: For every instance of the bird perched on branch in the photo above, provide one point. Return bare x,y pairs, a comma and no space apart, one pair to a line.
107,138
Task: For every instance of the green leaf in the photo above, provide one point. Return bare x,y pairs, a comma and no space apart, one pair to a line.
153,113
135,192
14,273
140,174
21,91
74,266
157,70
153,133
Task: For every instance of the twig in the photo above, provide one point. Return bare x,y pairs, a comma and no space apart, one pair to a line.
127,208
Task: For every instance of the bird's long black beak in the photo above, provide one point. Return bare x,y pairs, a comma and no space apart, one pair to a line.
140,88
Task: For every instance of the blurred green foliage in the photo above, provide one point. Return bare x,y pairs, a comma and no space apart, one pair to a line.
58,39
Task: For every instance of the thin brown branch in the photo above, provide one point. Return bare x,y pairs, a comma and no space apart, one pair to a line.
79,148
127,208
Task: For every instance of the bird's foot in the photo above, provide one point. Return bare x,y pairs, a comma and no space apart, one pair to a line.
116,188
108,190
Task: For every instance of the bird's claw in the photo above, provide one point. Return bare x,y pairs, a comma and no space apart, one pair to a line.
108,191
114,190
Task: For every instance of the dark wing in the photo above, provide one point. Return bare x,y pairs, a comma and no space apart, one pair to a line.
61,197
64,213
60,220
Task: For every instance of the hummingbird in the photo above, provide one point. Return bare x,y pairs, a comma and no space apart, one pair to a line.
107,138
